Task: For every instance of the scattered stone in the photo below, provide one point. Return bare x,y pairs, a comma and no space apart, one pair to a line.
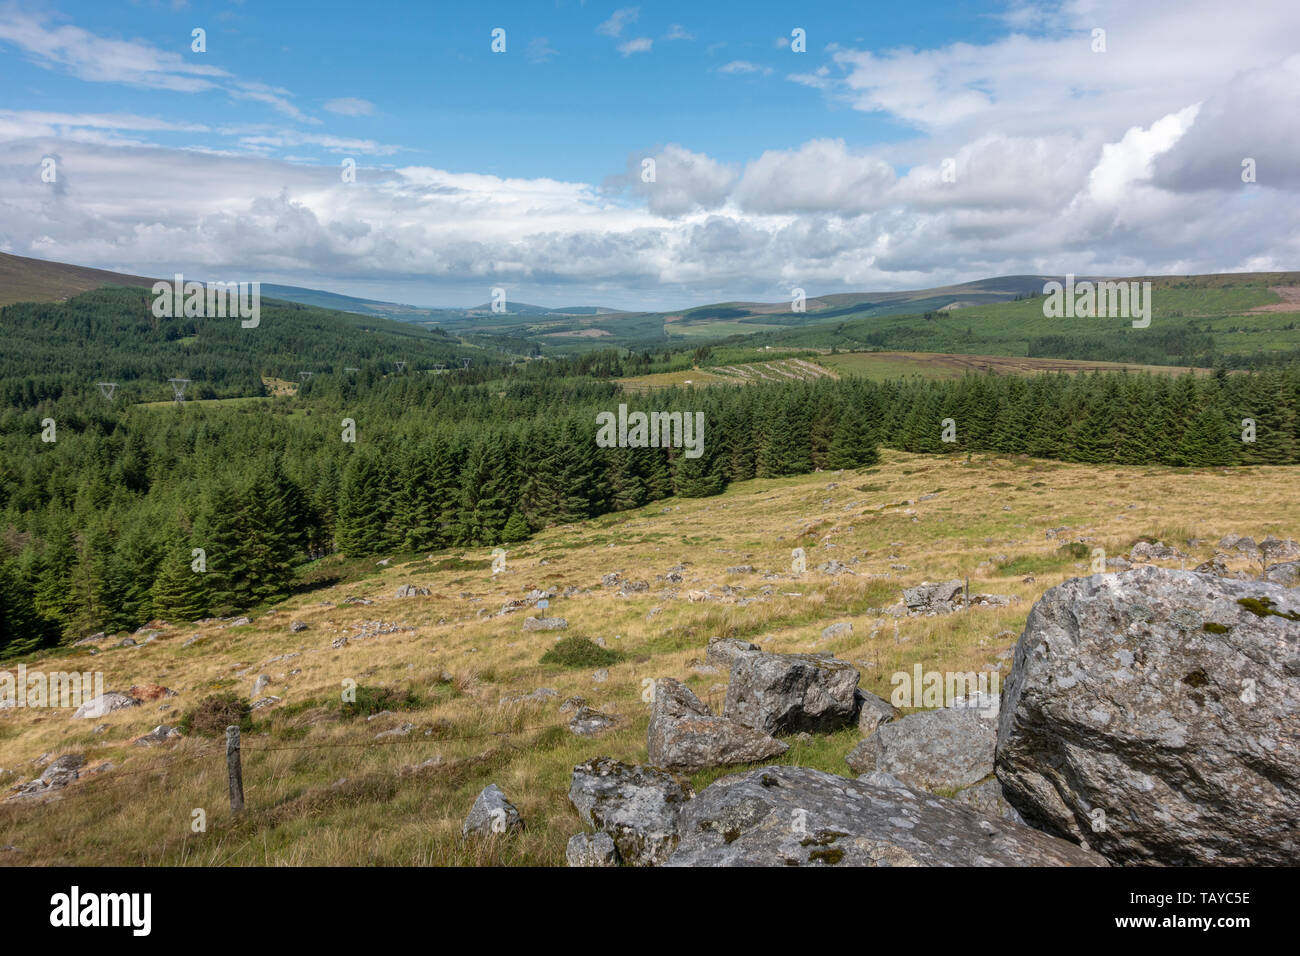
601,675
399,731
1145,551
931,598
297,627
637,806
684,735
545,624
741,569
835,567
572,704
835,630
105,704
612,579
262,702
259,685
724,651
159,735
796,816
590,723
491,814
242,621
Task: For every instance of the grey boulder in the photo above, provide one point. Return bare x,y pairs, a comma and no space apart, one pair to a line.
1152,714
637,806
787,693
105,704
591,849
945,749
796,816
684,734
492,814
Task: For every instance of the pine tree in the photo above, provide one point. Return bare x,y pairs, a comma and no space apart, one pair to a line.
180,593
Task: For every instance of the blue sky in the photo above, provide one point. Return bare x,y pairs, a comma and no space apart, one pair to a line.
824,168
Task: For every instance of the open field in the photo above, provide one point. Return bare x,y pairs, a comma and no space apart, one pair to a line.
880,366
322,789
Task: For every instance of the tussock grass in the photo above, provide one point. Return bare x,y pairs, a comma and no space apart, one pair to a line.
323,789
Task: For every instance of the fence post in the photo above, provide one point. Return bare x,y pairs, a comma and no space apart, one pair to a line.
234,770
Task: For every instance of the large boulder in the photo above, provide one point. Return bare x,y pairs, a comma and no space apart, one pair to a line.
637,806
796,816
946,749
1152,714
684,734
789,693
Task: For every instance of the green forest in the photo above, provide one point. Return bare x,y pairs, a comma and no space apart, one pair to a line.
100,527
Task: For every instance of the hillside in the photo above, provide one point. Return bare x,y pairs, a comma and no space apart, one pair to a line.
111,335
328,789
36,280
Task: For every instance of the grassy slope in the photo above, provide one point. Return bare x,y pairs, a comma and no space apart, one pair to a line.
1222,303
322,790
35,280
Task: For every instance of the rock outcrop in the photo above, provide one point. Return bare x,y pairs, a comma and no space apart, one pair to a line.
1152,714
684,734
796,816
491,815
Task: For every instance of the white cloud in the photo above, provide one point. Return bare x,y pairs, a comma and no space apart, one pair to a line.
639,45
613,27
350,106
744,66
134,63
540,50
678,32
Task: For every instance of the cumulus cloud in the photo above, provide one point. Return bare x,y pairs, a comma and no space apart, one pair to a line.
639,45
1024,154
744,66
613,27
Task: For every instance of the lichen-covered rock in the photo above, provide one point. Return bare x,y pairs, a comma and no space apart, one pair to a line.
873,711
933,598
545,624
105,704
491,815
944,749
787,693
1286,574
412,590
1152,714
684,734
723,651
637,806
836,629
590,723
591,849
796,816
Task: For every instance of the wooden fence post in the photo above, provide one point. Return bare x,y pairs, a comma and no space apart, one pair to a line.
234,770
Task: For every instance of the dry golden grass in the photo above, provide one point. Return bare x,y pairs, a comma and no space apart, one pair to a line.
322,790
